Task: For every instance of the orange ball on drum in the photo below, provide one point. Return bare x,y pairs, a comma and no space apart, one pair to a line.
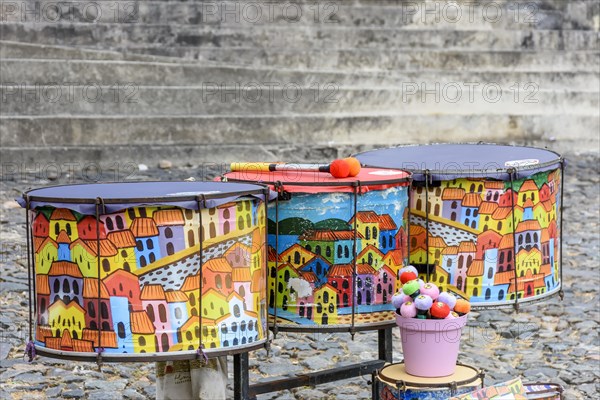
354,165
339,169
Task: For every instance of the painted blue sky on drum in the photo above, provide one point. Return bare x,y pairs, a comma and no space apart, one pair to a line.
317,207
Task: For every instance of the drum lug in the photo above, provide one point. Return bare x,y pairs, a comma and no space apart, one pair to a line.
453,388
284,195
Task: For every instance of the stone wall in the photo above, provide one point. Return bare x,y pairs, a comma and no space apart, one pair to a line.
192,82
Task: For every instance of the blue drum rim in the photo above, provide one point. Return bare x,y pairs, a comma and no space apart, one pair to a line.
260,189
150,357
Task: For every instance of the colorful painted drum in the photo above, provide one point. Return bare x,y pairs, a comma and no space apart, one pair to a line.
335,247
544,391
392,382
485,220
149,270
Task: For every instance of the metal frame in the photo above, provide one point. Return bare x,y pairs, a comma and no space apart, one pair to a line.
243,390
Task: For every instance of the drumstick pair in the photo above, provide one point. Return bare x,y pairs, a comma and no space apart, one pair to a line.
340,168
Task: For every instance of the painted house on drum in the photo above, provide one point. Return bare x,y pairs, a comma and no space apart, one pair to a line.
474,249
131,283
312,259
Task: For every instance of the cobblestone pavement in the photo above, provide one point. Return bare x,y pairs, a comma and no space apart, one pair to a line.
551,341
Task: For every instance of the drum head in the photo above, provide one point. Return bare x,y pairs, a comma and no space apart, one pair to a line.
449,161
395,373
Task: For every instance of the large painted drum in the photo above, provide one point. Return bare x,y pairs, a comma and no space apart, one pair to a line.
149,270
485,220
335,248
392,382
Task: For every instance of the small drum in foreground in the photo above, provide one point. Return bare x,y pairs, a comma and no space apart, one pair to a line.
392,382
148,271
485,220
335,247
544,391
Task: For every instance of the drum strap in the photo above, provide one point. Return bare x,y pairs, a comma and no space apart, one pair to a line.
560,235
355,193
280,190
99,349
201,201
265,263
30,348
427,179
512,173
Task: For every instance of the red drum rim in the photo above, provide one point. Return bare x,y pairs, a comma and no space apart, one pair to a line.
319,182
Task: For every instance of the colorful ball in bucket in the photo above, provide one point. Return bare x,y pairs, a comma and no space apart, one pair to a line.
409,268
398,299
447,298
408,310
423,304
439,310
407,276
452,315
411,288
430,290
462,307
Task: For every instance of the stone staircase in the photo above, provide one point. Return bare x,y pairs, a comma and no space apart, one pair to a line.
194,82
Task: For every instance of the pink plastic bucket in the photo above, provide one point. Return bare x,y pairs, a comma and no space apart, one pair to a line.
430,346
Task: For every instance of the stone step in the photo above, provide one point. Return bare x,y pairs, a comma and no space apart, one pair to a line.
367,61
284,130
121,161
377,60
133,99
133,36
108,72
486,14
21,50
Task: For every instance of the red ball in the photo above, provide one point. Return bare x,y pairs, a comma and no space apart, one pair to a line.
439,310
339,169
407,276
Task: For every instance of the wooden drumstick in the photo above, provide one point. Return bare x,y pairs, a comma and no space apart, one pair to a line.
337,168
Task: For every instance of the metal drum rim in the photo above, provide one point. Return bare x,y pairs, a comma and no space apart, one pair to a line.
440,386
107,200
556,162
150,357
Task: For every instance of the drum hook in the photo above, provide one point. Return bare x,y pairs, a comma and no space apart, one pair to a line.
453,388
201,354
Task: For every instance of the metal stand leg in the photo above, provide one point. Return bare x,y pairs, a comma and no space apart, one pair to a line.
241,381
385,344
244,391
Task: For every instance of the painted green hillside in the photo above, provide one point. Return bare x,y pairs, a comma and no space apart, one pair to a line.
291,226
334,224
